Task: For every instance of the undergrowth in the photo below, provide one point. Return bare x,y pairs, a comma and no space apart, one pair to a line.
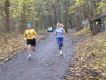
90,59
85,31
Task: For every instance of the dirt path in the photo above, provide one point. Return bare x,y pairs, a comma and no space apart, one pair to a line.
47,64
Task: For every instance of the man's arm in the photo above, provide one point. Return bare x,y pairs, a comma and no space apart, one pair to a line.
35,33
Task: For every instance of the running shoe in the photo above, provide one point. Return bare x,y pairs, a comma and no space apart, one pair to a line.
29,57
61,53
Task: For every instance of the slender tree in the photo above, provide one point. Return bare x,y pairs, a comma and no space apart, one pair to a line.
7,17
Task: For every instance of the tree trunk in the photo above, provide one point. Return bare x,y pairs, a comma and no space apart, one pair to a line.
23,19
55,15
6,11
66,25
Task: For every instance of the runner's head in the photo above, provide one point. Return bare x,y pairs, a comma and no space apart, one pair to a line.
58,25
29,26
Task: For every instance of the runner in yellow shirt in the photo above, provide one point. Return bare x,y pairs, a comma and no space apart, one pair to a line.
30,36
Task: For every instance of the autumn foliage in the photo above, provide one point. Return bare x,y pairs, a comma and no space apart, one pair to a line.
90,60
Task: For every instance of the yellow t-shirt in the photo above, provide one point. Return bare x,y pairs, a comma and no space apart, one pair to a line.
30,34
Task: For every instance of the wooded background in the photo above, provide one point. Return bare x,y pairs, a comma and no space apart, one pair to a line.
15,14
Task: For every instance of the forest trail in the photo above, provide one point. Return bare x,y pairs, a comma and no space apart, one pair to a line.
46,64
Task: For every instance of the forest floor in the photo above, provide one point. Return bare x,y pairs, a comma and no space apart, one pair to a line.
46,63
84,58
89,62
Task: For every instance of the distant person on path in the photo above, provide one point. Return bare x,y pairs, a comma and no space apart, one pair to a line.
59,31
30,36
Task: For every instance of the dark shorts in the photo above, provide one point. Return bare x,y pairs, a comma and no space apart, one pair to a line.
31,42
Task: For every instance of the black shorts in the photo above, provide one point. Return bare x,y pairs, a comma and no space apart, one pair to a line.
31,42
